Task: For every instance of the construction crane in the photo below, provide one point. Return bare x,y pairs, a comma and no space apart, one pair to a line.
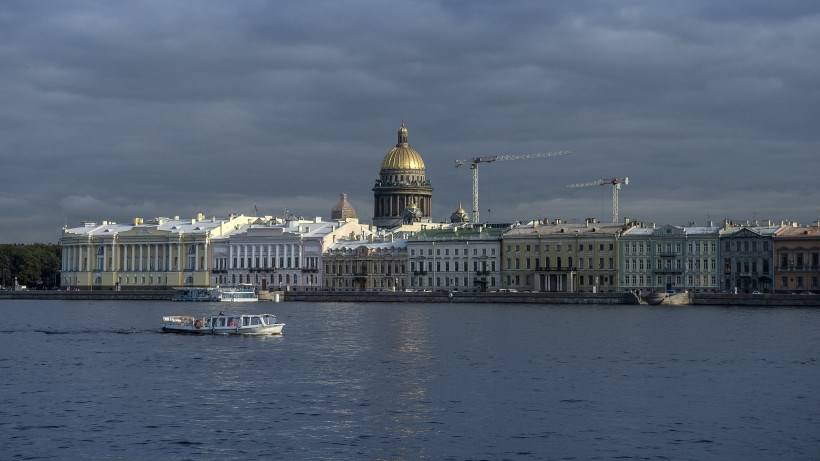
616,187
498,158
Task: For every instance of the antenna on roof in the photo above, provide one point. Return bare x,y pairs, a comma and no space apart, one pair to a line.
256,209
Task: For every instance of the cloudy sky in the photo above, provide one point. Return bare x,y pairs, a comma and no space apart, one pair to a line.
110,110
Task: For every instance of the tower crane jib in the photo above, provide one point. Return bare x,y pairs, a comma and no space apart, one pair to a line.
475,161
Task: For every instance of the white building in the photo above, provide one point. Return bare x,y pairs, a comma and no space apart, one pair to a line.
157,253
460,258
287,255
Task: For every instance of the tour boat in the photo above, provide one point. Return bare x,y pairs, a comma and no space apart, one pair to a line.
239,294
223,324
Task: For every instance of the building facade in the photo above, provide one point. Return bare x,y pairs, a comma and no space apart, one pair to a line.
797,257
280,254
402,193
561,257
746,255
366,266
669,258
460,258
159,253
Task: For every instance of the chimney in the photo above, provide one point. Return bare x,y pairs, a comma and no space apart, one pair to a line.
137,221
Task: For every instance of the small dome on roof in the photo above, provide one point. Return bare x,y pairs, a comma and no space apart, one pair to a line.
343,209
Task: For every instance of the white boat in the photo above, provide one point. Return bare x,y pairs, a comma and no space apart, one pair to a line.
224,324
239,294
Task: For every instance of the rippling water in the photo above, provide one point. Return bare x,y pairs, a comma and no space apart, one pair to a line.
96,380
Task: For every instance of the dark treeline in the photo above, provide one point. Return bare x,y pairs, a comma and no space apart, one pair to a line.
36,265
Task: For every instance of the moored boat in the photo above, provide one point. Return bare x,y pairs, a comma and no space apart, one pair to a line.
239,294
223,324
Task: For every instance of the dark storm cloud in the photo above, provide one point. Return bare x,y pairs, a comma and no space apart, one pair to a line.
113,110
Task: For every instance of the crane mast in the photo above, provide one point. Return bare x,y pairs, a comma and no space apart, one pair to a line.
475,161
616,184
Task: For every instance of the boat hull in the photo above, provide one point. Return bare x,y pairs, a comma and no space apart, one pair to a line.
266,330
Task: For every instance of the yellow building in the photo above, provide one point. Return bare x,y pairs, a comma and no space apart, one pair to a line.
157,253
561,257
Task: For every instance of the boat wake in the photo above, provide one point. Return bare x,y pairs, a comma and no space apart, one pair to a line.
130,331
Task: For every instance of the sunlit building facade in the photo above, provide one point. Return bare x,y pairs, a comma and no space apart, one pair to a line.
155,253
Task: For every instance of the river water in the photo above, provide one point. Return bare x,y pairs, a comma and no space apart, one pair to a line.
96,380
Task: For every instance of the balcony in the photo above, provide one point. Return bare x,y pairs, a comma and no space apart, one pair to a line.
421,272
667,254
669,270
482,273
311,270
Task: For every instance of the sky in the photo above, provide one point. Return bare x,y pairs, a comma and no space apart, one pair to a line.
112,110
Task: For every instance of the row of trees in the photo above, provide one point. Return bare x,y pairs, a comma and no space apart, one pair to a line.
36,265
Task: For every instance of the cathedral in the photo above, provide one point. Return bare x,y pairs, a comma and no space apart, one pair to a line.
402,194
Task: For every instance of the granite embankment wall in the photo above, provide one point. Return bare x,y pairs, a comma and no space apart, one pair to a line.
133,295
769,300
443,297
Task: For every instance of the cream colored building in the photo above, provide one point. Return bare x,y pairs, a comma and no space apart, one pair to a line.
156,253
561,257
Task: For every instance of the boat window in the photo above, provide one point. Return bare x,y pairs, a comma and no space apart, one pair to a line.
245,321
256,321
233,322
220,322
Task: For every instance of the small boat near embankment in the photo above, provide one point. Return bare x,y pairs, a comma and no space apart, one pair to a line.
223,324
242,293
669,299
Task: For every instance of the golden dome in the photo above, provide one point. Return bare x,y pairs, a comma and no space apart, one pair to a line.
402,157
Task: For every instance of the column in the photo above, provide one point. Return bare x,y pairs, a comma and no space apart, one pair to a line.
105,257
253,256
168,250
270,256
139,264
277,255
125,258
196,256
230,255
301,262
180,263
206,255
156,257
